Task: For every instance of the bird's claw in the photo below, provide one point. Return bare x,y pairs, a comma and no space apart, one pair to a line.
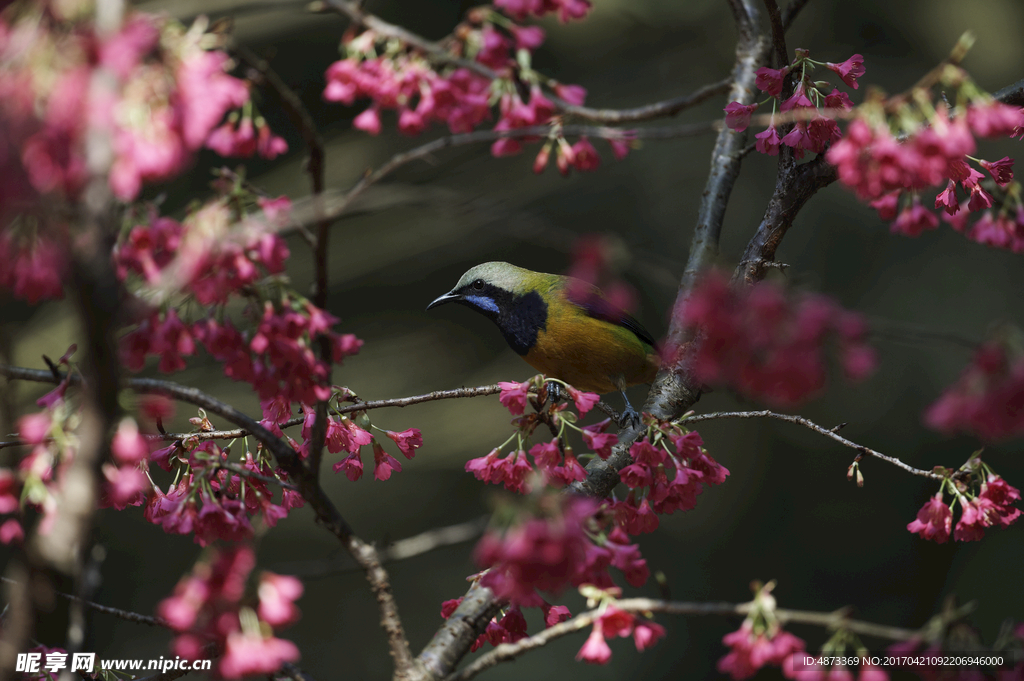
629,417
555,392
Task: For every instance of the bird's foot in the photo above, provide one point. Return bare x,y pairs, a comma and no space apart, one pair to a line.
555,392
629,416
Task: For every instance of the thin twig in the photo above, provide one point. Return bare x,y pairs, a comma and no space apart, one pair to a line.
336,206
669,107
807,423
125,615
831,620
245,473
155,385
400,550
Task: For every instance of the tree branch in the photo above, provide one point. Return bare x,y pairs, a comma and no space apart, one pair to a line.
125,615
669,107
831,620
402,549
453,640
794,187
1012,94
807,423
334,206
778,32
674,392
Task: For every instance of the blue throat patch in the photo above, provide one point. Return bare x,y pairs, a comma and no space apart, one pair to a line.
519,318
483,302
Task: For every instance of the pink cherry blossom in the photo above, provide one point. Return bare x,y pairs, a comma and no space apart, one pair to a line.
933,521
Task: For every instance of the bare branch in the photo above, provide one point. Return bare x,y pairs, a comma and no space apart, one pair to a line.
807,423
338,205
400,550
1012,94
778,32
794,187
125,615
669,107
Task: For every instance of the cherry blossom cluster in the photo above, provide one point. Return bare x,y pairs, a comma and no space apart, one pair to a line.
350,435
986,501
216,252
37,264
125,484
560,541
894,150
768,345
664,479
397,77
566,9
210,607
509,625
211,502
406,82
760,641
34,483
171,92
986,399
215,255
812,130
554,462
569,541
612,622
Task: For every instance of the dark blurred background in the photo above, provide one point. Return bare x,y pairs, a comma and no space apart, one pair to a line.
786,512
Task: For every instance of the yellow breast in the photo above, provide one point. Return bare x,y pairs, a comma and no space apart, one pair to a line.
590,354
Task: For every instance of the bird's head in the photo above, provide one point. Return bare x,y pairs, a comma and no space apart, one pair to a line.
487,287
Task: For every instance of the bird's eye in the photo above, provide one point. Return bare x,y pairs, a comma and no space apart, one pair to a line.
478,284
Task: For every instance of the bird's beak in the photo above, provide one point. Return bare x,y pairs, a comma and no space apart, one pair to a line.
446,298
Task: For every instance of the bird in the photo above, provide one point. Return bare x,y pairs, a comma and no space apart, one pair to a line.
562,326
